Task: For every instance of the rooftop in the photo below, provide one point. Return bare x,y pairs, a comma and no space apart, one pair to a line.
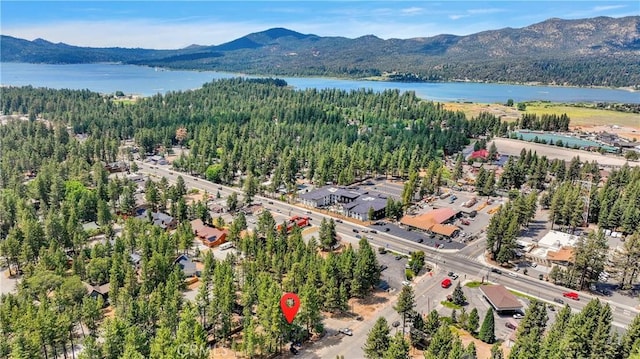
557,240
330,190
500,298
427,220
362,204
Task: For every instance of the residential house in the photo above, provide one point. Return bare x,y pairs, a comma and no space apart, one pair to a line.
159,219
187,265
95,291
210,236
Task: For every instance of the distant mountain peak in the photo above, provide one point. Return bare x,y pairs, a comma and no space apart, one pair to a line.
278,32
42,41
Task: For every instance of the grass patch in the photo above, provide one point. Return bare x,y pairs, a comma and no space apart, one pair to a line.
584,116
475,284
522,295
450,305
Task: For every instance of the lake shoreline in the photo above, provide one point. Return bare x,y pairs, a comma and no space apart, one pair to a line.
148,81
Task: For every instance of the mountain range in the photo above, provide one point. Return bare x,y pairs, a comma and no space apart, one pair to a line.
600,51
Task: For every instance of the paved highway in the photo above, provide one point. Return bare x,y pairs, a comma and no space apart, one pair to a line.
463,262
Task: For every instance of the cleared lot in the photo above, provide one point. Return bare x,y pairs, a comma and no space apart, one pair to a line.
513,147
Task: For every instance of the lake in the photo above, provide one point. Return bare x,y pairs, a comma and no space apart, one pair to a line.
147,81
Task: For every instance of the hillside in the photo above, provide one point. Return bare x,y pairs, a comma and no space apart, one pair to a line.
599,51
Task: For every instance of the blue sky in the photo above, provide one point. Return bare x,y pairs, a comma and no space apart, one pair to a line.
175,24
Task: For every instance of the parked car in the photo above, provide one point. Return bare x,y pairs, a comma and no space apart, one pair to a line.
387,229
373,231
496,270
355,230
399,257
395,324
406,283
541,276
383,267
345,331
571,295
339,220
518,316
511,325
358,236
534,264
446,283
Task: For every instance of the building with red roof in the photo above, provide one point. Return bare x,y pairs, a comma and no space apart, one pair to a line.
481,154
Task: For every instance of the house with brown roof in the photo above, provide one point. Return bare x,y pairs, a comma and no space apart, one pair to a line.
500,298
95,291
210,236
433,221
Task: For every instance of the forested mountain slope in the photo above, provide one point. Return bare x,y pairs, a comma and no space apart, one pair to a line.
599,51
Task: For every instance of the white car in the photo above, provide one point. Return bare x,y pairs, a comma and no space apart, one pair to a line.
345,331
406,282
518,316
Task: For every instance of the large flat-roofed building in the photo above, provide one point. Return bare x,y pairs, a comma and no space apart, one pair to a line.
434,221
500,298
328,195
361,206
555,248
353,203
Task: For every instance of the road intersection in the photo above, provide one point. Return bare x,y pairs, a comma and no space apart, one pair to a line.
467,262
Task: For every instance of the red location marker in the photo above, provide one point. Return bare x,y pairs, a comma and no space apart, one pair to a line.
289,303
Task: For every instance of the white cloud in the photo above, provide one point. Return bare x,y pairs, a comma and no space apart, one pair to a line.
456,17
607,7
412,10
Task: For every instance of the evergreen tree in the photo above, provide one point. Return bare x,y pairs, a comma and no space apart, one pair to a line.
496,352
458,295
398,348
470,351
457,350
377,342
432,323
474,321
487,331
629,338
458,169
441,343
406,303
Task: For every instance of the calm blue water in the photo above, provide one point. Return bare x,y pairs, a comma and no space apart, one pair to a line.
146,81
580,142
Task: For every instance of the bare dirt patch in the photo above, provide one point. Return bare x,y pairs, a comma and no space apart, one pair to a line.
630,133
194,197
369,306
474,109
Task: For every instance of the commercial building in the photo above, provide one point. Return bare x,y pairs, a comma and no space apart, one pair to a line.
555,248
500,298
435,221
351,202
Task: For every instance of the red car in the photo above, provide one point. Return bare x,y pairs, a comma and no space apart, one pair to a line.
571,295
446,283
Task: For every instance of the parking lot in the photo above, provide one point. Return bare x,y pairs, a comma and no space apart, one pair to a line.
395,265
415,236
